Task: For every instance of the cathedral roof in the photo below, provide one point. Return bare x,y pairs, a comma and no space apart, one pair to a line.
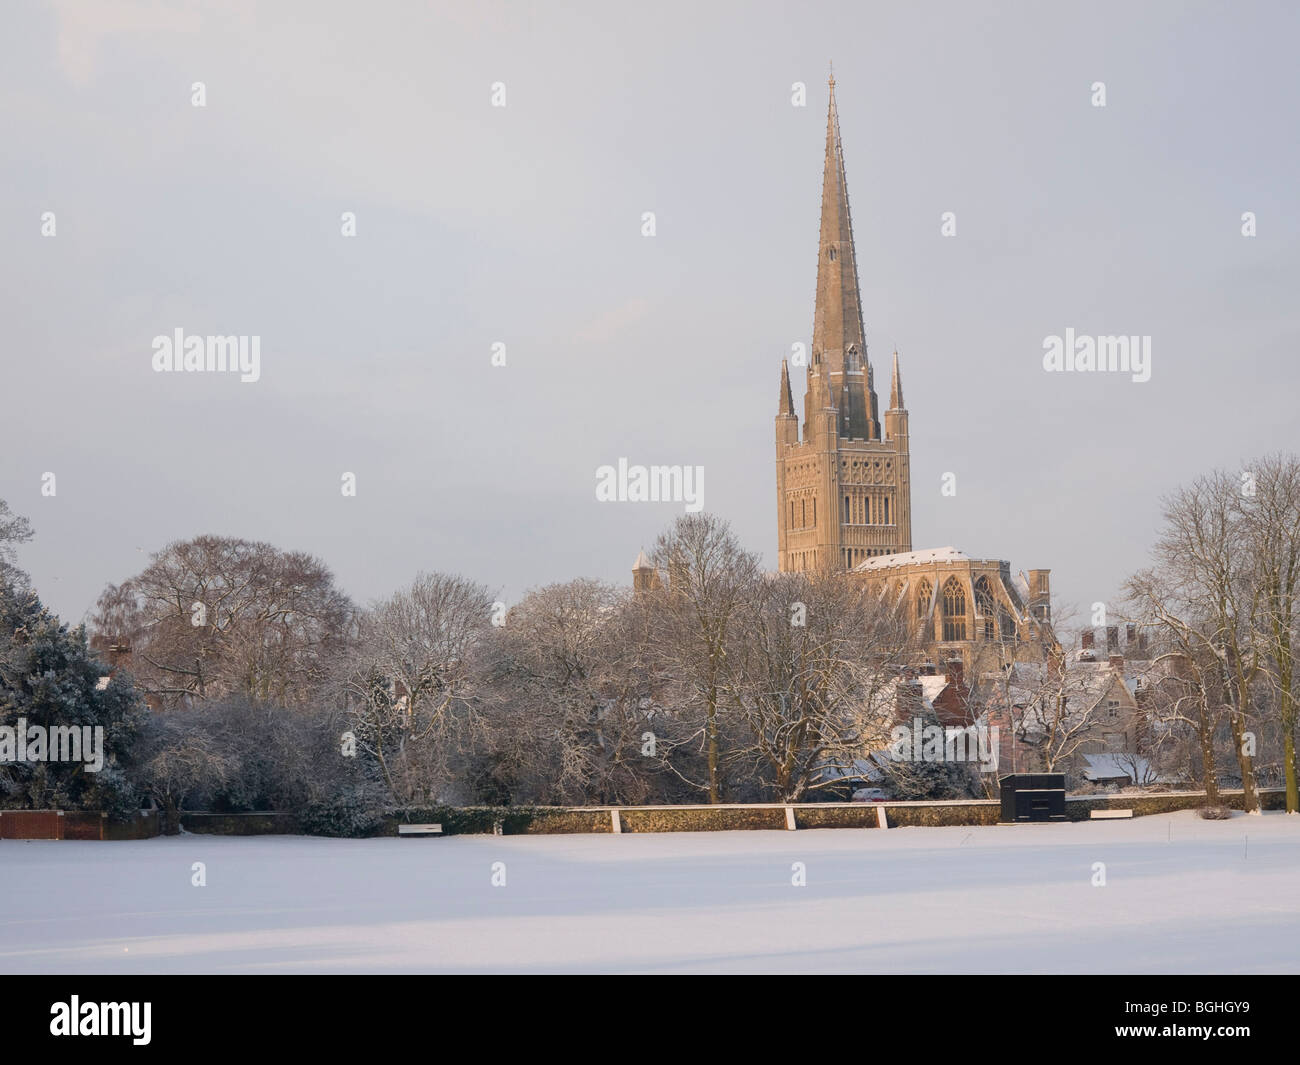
911,558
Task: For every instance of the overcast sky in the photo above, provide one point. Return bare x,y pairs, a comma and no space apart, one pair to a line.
522,225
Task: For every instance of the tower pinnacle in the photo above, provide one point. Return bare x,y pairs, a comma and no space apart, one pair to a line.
787,397
896,387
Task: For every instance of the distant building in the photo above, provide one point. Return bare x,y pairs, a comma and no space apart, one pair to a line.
1085,712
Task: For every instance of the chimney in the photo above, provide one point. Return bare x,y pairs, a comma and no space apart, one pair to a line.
1117,663
1089,638
954,670
908,700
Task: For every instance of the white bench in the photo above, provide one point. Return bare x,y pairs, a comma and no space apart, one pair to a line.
419,830
1108,815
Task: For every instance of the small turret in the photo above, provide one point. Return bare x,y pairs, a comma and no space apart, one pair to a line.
645,577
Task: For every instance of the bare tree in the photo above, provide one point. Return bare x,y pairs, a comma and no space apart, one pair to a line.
216,616
705,575
181,757
412,680
575,718
1205,562
1188,671
1271,513
1056,709
810,673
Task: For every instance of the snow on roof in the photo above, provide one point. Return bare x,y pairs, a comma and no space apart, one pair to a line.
932,687
1112,766
1022,585
910,558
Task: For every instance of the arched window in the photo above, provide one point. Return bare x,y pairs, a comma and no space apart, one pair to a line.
886,510
954,610
923,594
984,606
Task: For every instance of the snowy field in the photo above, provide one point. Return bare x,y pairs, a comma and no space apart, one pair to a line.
1181,895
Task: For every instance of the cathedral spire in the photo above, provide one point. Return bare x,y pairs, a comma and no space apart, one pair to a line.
839,340
896,387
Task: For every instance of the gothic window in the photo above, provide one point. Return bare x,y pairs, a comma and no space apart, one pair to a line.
886,510
923,598
830,252
954,610
847,517
984,606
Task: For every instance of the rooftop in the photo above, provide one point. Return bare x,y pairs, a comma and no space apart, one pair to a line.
911,558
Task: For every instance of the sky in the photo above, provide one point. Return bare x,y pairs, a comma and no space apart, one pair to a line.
522,225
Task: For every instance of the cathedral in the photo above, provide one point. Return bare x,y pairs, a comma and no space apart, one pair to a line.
842,483
843,479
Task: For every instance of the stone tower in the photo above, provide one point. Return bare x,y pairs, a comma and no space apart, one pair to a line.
645,578
843,488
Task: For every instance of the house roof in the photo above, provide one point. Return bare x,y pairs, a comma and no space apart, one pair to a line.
1112,766
932,687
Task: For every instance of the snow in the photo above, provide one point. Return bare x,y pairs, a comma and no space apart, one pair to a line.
932,687
910,558
1182,895
1113,766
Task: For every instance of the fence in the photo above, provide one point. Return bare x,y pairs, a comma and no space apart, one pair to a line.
533,820
74,825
